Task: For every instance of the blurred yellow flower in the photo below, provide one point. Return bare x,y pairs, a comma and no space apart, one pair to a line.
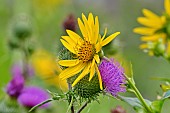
86,49
46,67
156,29
46,5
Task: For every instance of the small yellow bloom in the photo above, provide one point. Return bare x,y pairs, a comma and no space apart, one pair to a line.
46,67
155,27
86,48
46,5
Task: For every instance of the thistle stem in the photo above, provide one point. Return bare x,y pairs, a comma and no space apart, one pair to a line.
38,105
138,94
71,99
82,107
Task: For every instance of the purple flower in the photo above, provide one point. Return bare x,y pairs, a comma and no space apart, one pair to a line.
31,96
30,70
15,86
17,69
112,76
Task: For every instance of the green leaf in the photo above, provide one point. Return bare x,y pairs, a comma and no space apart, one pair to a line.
135,103
157,106
166,95
161,79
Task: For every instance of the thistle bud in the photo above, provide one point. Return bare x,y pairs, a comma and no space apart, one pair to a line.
13,43
87,89
70,23
118,109
22,27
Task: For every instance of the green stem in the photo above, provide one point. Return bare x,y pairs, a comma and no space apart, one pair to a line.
139,96
82,107
71,106
42,103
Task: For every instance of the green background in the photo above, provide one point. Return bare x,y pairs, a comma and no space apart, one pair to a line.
116,15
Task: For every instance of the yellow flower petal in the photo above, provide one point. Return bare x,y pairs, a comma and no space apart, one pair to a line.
105,31
150,38
82,28
69,40
98,47
68,63
154,37
109,39
144,30
84,73
163,19
91,20
91,25
74,36
99,77
89,31
167,6
150,14
96,29
92,70
143,46
68,46
96,57
71,71
150,22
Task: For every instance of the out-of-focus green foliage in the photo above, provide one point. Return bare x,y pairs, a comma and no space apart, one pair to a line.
46,21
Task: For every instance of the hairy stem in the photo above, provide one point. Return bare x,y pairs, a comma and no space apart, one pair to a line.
42,103
71,99
82,107
138,94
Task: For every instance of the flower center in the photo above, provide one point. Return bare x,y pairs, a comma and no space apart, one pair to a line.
86,51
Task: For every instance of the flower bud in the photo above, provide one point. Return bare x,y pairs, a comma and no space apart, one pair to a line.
118,109
70,23
159,48
87,89
13,43
22,27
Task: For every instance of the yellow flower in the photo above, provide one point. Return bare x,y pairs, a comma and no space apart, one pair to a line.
46,5
155,27
86,49
46,67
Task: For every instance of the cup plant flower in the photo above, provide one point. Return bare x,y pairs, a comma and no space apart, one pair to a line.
155,32
86,49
